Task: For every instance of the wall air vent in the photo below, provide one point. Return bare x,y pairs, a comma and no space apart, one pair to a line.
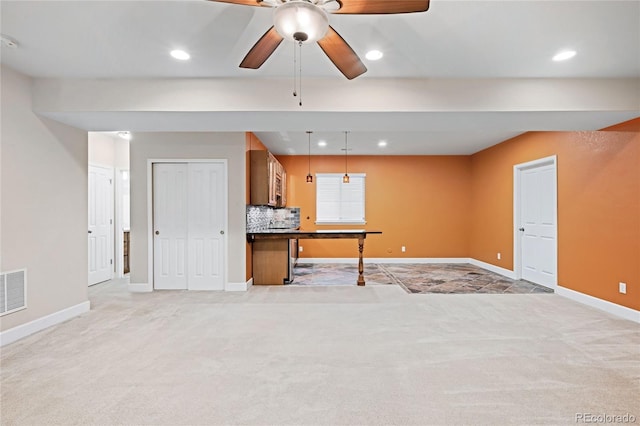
13,291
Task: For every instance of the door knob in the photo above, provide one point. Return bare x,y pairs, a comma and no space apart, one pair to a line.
221,232
521,229
157,232
90,231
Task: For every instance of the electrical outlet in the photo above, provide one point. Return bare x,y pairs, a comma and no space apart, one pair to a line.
499,256
622,288
300,249
404,249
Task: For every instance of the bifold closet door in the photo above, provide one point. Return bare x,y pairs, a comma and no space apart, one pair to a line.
170,226
205,226
189,207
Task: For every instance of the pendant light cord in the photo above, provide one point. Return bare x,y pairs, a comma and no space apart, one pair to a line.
345,178
309,152
309,177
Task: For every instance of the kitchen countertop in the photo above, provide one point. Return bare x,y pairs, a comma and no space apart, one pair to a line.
270,234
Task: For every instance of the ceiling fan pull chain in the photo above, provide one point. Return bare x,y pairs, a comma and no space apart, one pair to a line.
295,71
300,103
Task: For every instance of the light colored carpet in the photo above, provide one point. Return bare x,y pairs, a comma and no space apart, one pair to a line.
323,356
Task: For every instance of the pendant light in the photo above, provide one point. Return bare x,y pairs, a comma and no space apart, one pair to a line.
345,178
309,177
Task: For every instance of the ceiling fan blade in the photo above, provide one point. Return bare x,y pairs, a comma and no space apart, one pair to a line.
342,55
261,51
371,7
242,2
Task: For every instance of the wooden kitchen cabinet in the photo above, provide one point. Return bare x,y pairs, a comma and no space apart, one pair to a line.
270,262
268,180
283,194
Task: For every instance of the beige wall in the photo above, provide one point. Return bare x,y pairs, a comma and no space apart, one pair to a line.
188,145
43,204
107,149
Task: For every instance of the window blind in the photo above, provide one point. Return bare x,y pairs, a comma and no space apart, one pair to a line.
338,202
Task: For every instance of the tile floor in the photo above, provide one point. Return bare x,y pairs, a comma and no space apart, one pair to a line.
416,278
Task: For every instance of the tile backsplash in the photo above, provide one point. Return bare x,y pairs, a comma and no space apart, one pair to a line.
264,217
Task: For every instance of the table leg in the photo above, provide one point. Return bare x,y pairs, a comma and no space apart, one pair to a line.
360,262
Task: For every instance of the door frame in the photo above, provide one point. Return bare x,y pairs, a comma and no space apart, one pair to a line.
119,236
517,241
111,242
225,248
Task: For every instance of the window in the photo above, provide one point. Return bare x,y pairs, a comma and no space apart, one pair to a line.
338,202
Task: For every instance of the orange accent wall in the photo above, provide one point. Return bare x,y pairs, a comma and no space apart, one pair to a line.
420,202
462,206
626,126
251,142
598,207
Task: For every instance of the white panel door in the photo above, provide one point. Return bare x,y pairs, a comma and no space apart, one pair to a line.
100,224
170,226
206,226
538,227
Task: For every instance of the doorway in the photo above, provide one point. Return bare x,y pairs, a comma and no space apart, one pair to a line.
536,222
189,225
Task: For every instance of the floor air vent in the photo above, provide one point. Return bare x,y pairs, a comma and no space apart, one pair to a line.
13,291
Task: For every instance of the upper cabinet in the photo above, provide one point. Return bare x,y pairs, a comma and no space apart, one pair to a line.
268,180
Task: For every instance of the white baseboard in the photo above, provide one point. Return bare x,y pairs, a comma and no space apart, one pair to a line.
315,260
354,260
140,288
424,260
147,288
603,305
493,268
24,330
239,286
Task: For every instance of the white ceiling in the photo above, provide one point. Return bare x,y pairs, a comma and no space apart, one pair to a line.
466,40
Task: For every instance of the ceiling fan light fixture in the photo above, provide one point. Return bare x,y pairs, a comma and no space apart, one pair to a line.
301,21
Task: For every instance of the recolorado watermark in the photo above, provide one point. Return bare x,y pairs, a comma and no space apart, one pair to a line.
605,418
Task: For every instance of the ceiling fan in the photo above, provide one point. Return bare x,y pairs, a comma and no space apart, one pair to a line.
307,21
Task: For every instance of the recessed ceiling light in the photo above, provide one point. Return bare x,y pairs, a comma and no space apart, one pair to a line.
180,55
382,144
125,135
322,143
8,42
374,55
564,55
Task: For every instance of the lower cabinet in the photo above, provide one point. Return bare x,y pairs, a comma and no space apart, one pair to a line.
271,262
